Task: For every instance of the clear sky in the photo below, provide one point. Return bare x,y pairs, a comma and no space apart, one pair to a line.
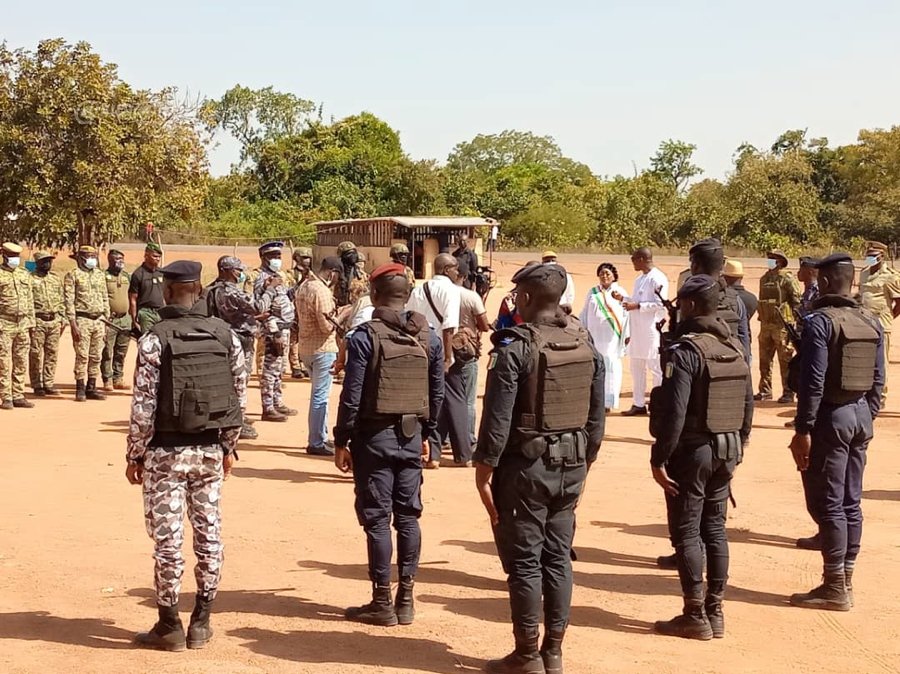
608,79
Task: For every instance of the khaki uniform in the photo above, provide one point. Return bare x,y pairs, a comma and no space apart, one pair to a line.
115,347
878,292
16,323
779,294
49,314
86,303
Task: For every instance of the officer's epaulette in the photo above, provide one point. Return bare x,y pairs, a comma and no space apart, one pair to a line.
507,336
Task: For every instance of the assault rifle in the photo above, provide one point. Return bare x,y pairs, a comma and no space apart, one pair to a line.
791,330
666,338
134,333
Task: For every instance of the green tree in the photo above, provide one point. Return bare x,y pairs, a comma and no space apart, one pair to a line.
83,156
672,163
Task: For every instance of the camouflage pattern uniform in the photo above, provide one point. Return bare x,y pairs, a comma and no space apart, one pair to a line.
174,476
277,302
86,302
115,347
250,289
16,323
239,310
779,293
878,292
49,312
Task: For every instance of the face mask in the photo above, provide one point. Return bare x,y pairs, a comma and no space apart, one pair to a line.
275,264
12,262
350,257
771,264
90,263
242,278
871,260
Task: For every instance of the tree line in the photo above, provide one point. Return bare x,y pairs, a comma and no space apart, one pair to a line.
86,157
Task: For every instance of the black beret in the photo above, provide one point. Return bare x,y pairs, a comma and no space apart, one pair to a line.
182,271
696,284
833,259
538,272
707,248
807,261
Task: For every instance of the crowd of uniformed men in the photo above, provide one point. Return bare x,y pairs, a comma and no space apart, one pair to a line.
409,357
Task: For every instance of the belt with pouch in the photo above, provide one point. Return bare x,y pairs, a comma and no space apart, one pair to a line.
117,316
88,315
566,448
45,316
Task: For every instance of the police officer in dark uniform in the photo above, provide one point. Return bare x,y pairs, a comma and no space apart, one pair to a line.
393,389
541,428
701,417
840,385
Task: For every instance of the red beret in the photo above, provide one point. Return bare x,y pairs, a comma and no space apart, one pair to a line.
391,269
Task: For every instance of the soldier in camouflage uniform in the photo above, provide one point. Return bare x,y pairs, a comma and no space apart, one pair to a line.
354,282
879,289
181,457
250,288
271,294
115,347
779,298
16,324
84,290
225,300
49,322
400,255
302,270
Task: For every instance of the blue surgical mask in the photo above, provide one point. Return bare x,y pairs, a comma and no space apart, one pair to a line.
13,262
771,264
242,278
90,263
871,260
275,265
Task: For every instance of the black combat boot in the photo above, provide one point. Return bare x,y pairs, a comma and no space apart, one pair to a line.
668,562
811,543
405,605
831,595
167,634
551,651
380,611
79,391
91,392
248,432
691,624
848,582
714,614
526,659
199,632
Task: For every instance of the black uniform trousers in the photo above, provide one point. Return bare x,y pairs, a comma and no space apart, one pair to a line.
387,471
697,515
536,503
453,421
833,481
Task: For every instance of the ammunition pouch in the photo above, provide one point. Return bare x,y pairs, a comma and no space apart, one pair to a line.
727,446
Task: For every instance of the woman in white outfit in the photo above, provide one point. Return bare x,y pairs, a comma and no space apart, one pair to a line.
606,319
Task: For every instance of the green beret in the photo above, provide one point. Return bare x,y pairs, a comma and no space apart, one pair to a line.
153,248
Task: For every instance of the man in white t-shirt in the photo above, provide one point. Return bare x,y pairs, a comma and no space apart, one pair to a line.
438,300
567,300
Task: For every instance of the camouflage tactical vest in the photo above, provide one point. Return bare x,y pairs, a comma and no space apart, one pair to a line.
196,386
851,354
397,376
556,397
717,401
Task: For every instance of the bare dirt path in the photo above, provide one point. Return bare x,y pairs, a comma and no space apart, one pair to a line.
76,571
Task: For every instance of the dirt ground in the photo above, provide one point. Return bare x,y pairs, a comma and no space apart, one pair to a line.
76,571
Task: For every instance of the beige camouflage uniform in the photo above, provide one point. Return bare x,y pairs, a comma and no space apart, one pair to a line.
49,312
86,303
16,322
175,476
878,291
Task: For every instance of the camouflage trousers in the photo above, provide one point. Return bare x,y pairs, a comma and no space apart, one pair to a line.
89,348
44,353
13,362
115,350
175,477
272,371
773,339
294,361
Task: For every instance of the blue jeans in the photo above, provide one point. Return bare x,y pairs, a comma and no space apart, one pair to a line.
470,370
319,366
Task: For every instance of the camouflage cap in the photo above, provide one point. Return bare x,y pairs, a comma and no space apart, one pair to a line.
87,250
777,253
362,256
399,249
43,255
344,246
229,262
12,248
303,252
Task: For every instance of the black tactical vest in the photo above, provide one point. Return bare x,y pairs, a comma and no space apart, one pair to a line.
728,310
397,376
208,297
851,354
556,397
196,388
717,401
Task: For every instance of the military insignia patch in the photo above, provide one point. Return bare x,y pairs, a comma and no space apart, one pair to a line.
670,370
492,361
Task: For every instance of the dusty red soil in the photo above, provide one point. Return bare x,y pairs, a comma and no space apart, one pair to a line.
76,571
